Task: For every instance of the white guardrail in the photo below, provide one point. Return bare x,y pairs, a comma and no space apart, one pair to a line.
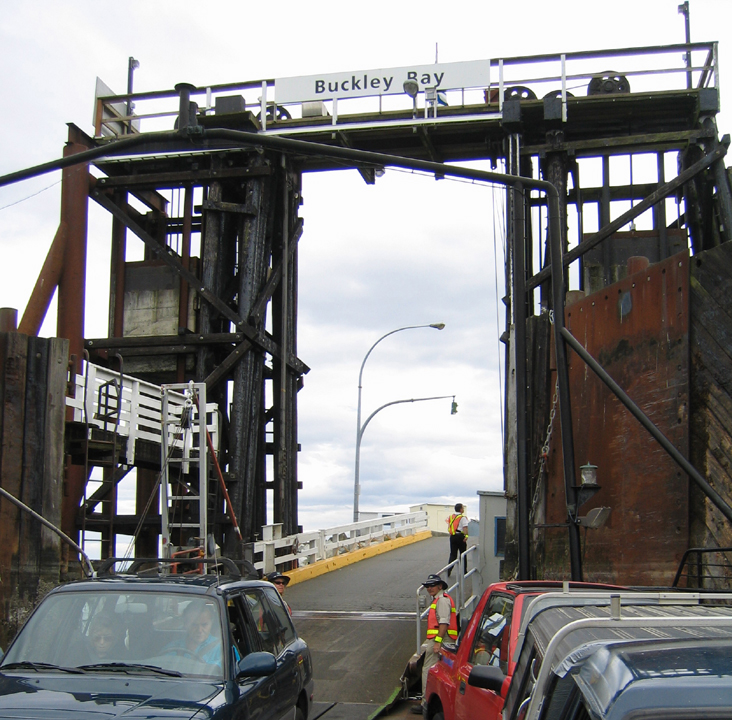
95,401
310,547
334,97
97,393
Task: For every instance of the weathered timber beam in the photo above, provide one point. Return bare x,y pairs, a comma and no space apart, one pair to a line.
620,145
162,340
367,173
223,368
161,252
663,192
103,490
594,195
178,179
429,147
123,524
48,278
230,207
154,200
276,275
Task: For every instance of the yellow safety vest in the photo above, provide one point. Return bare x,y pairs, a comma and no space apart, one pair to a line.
453,522
432,624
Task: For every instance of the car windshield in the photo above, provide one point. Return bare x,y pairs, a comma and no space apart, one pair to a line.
104,631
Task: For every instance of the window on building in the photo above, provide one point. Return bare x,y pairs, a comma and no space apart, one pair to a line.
500,539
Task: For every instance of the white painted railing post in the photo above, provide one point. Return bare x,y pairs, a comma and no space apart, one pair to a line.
321,546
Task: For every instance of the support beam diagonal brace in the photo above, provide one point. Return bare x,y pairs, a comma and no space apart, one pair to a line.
644,420
223,368
160,251
274,279
663,192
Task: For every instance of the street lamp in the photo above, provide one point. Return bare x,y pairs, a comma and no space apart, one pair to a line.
357,491
359,429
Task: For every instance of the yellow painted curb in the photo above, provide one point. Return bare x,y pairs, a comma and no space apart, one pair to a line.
323,566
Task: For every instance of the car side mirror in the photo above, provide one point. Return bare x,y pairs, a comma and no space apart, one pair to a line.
256,664
487,677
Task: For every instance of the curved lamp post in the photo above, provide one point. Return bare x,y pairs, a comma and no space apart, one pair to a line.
359,429
359,436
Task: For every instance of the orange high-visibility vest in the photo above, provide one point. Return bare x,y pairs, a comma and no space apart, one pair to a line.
433,625
453,522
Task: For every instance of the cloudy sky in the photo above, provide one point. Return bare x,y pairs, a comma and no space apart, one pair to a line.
407,251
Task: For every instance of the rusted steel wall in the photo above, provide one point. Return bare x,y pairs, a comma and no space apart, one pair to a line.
33,375
711,401
638,330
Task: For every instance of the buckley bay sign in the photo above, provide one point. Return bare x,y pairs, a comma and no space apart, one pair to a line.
365,83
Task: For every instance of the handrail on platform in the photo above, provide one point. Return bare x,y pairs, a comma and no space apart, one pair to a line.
463,605
653,69
138,411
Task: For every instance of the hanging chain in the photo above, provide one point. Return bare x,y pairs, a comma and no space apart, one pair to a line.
544,454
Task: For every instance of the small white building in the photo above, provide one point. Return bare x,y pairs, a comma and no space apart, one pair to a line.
492,540
438,515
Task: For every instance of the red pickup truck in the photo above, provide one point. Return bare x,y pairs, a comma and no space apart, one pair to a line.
489,639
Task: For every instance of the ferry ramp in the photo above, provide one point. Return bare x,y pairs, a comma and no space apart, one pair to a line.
359,622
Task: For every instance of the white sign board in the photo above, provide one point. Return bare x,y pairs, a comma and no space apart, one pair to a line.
365,83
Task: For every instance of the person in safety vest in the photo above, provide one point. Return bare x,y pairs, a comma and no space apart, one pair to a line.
441,627
457,526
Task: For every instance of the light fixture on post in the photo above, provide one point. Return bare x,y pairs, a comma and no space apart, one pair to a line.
411,87
359,429
588,486
588,474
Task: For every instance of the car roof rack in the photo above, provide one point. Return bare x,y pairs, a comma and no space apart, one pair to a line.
703,626
137,566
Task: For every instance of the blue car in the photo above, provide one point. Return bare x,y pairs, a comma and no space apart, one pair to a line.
159,645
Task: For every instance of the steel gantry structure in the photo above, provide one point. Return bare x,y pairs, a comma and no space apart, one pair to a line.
228,317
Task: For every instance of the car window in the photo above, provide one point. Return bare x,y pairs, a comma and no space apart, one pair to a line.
174,631
490,645
285,628
243,638
264,622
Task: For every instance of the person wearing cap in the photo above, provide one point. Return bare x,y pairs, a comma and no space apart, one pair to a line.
441,625
280,581
457,526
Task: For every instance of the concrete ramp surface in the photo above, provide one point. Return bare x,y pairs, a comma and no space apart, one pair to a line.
360,625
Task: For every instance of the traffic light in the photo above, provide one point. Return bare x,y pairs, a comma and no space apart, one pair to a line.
453,410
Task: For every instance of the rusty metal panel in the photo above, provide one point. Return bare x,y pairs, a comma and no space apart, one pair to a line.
638,330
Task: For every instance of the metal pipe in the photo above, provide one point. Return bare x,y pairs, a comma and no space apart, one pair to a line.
519,315
50,526
565,409
662,440
184,111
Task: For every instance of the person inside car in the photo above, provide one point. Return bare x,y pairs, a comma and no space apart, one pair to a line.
202,642
104,641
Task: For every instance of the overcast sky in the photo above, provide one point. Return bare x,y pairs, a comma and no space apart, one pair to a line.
407,251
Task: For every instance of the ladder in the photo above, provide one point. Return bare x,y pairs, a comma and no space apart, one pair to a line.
184,465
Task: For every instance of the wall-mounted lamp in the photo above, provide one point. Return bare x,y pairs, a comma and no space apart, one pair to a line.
588,474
